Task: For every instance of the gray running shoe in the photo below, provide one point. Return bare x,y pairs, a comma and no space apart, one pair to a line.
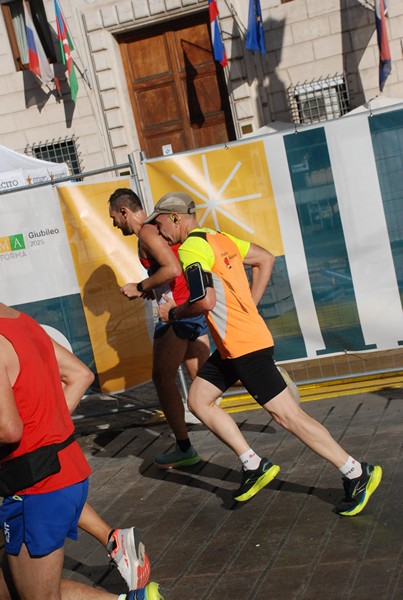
177,458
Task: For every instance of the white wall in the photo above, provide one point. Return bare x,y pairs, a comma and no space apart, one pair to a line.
304,40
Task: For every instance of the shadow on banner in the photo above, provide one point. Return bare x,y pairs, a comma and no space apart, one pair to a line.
105,260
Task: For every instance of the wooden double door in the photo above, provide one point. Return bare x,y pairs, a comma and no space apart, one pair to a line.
177,90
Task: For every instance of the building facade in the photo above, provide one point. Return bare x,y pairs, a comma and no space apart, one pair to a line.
148,82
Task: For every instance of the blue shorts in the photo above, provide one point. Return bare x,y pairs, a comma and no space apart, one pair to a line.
186,329
42,521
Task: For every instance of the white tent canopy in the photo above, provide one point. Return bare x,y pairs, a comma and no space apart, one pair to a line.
17,170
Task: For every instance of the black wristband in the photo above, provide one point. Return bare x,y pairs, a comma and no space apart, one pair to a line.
140,287
171,314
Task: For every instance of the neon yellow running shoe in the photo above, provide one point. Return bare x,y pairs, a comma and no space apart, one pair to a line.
359,490
254,480
152,591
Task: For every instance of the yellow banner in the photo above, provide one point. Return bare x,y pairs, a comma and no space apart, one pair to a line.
231,187
120,330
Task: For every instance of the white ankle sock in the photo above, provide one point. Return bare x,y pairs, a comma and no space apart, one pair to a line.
351,469
250,460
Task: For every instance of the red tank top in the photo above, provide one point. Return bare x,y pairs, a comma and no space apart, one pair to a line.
41,403
178,286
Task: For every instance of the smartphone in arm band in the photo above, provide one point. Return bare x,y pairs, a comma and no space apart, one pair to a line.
198,280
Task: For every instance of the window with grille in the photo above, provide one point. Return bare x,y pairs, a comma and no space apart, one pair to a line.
13,13
319,100
59,151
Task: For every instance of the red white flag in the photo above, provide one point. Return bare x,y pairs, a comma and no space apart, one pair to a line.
218,46
38,62
385,61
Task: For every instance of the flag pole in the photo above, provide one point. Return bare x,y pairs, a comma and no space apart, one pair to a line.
84,74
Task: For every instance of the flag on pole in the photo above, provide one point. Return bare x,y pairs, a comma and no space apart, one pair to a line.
385,62
218,46
255,32
38,62
66,46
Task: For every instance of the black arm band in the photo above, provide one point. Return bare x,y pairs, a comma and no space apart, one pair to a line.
171,314
208,279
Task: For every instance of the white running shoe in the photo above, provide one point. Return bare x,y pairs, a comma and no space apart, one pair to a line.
126,549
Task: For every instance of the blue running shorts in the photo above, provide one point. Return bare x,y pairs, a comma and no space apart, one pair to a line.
42,521
186,329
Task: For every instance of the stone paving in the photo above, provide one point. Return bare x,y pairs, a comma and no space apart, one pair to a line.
285,543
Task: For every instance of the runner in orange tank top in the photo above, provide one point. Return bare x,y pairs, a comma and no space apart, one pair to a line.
245,352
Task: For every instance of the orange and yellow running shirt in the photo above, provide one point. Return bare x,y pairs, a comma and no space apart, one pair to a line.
234,322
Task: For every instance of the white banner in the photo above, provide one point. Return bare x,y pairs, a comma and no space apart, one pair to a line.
35,257
12,180
327,203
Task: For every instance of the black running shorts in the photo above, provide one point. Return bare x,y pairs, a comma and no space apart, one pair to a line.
256,371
